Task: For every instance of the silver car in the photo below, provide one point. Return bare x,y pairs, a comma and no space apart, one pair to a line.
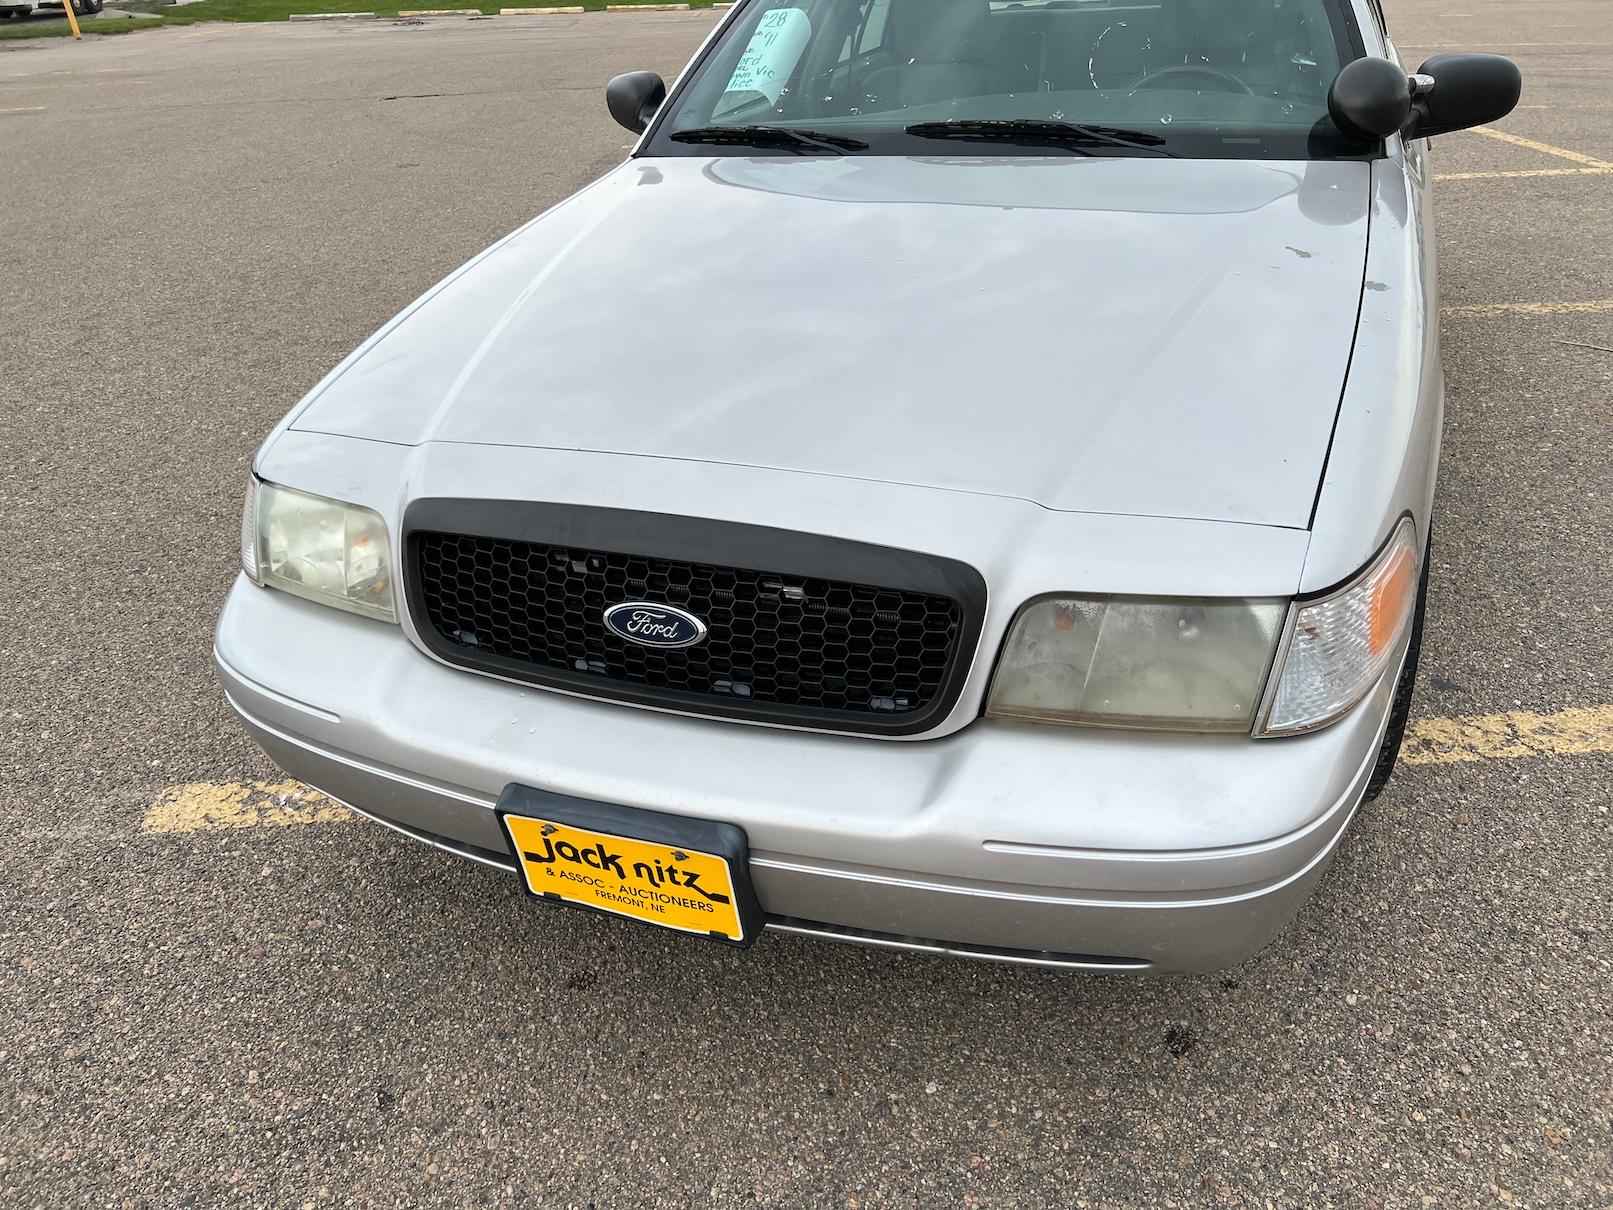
963,484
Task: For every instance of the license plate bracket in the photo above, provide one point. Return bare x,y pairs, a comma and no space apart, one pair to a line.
688,875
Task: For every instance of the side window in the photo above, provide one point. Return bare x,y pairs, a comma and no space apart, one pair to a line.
866,34
873,30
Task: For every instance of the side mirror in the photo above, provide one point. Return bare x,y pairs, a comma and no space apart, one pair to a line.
1370,99
1456,91
633,99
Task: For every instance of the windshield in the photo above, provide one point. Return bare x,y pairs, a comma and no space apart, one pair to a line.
1201,78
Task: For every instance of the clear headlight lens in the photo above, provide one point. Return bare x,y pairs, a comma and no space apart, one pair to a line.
1341,645
249,531
1188,664
324,550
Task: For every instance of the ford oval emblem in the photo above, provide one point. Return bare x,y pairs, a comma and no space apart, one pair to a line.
652,625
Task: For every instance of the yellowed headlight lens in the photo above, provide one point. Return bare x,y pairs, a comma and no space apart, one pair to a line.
323,550
1185,664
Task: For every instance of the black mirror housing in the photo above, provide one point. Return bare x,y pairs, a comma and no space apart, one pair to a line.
633,98
1468,90
1370,99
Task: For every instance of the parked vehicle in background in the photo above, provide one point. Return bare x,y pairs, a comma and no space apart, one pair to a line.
963,484
84,8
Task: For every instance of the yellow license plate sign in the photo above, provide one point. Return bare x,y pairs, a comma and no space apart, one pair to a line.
658,881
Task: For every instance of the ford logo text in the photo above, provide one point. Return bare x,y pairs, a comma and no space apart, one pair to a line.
652,625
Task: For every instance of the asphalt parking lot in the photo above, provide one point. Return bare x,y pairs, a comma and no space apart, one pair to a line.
216,992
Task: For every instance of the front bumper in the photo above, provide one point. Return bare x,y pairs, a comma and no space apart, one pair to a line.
1101,849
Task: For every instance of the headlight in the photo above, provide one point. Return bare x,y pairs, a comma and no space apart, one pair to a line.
333,553
1338,647
1161,663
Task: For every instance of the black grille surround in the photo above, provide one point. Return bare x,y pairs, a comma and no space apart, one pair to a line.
804,630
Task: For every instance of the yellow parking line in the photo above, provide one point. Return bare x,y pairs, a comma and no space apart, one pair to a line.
1591,307
204,806
1517,172
208,806
1561,153
1517,733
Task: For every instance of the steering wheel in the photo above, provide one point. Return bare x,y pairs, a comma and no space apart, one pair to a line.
1225,80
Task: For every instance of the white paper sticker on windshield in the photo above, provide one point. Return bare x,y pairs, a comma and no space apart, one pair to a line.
772,52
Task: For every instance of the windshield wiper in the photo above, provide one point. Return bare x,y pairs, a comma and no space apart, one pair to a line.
770,136
1033,130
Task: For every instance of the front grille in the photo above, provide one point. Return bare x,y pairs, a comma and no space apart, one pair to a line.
776,641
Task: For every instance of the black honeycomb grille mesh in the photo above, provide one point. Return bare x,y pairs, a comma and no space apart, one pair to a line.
774,639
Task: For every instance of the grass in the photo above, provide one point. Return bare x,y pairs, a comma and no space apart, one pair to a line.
266,10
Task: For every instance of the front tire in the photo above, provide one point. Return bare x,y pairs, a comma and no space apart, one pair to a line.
88,8
1400,709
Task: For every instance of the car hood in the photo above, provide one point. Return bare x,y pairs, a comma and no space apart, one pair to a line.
1144,336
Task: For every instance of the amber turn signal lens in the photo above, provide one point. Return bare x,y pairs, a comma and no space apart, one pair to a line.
1391,600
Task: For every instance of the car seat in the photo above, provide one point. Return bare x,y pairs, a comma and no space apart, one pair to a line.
941,49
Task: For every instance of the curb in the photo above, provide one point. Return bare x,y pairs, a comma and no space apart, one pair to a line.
440,12
567,10
646,8
331,17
